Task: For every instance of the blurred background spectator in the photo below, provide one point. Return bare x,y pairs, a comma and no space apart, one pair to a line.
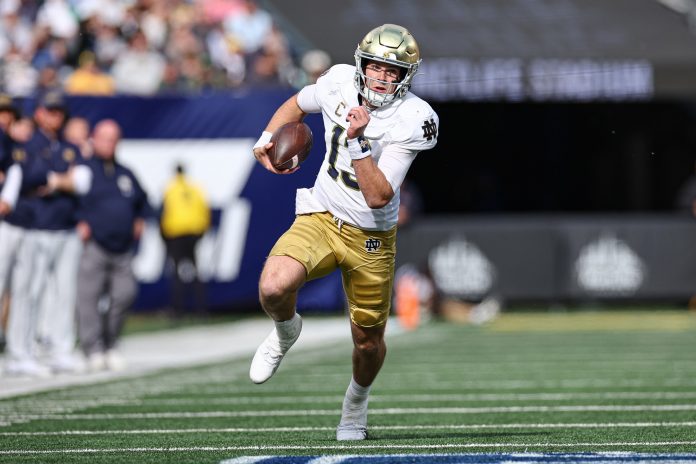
142,47
88,79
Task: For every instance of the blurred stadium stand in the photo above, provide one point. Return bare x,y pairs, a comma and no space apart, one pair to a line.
542,49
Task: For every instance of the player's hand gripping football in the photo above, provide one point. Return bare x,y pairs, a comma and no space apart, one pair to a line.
358,118
261,155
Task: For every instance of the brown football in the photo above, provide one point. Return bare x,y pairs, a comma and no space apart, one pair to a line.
291,145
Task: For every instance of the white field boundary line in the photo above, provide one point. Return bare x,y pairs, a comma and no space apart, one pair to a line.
530,458
173,449
433,384
610,373
430,385
59,404
333,412
554,425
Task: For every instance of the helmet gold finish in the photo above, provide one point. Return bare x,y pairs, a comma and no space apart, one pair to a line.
390,44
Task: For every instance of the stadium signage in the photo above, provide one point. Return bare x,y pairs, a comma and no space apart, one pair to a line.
513,79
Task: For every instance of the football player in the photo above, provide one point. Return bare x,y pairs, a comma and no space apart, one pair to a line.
374,129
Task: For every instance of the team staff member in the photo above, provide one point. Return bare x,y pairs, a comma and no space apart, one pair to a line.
111,219
374,130
25,177
8,114
54,241
185,218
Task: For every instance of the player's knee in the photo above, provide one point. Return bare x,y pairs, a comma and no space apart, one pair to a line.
369,347
272,290
280,279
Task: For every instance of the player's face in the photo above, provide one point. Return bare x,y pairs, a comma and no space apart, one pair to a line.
380,76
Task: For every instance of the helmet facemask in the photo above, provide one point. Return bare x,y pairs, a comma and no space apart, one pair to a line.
386,45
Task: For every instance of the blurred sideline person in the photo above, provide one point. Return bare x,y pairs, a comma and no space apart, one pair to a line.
20,131
417,300
9,113
185,218
374,130
107,190
56,248
25,177
77,132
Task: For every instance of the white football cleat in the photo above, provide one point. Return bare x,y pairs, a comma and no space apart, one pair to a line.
351,432
269,354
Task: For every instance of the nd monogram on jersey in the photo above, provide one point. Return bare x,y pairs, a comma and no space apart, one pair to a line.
409,123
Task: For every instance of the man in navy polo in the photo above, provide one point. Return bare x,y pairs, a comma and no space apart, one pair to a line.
111,217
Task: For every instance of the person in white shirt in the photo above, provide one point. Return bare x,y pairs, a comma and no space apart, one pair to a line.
374,129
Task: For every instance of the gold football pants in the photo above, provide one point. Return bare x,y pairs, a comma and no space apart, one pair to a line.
366,258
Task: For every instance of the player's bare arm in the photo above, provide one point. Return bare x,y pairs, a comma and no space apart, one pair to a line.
373,184
287,112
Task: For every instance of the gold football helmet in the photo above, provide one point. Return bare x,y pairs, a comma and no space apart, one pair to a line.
389,44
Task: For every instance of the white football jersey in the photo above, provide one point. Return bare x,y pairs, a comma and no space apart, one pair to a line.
403,128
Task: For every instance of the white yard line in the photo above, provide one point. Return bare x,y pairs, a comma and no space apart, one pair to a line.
64,405
340,447
283,385
423,398
552,425
335,412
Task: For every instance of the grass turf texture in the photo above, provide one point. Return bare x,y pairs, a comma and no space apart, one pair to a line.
584,382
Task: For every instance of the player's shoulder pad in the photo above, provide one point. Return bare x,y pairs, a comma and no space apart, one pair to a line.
419,124
331,82
336,75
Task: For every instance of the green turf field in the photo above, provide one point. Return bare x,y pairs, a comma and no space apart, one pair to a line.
528,382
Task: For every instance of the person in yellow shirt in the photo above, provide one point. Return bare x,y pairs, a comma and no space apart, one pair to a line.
88,79
185,219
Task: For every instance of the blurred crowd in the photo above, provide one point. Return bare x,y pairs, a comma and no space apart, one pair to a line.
145,47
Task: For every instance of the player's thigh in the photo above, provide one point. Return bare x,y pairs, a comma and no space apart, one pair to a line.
368,276
306,242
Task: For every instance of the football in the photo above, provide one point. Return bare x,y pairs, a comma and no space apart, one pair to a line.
291,145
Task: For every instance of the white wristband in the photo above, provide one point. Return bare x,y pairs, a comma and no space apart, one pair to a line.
264,139
359,148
